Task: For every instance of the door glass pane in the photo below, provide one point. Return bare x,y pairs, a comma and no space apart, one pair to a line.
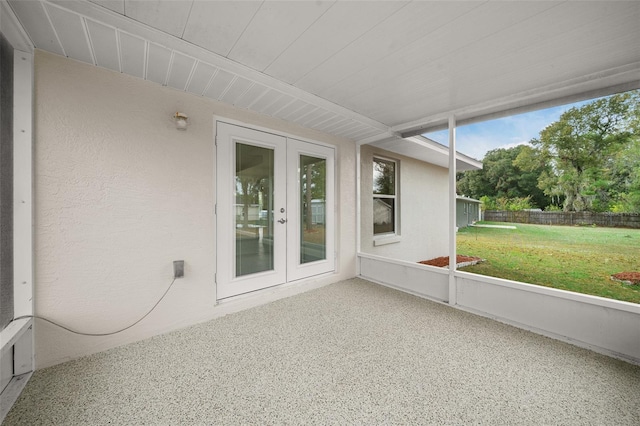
253,209
313,178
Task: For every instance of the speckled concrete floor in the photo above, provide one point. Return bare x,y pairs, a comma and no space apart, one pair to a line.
349,353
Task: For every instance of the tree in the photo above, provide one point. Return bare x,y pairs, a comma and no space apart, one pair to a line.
502,177
581,149
384,177
313,172
626,178
626,170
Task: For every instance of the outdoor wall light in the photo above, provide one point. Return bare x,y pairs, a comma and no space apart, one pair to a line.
181,120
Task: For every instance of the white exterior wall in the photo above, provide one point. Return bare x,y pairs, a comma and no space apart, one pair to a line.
120,194
424,220
603,325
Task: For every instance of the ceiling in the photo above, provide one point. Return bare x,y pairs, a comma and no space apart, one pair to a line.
365,70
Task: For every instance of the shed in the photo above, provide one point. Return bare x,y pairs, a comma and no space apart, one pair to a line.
467,211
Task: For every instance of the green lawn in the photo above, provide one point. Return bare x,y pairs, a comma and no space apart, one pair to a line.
579,259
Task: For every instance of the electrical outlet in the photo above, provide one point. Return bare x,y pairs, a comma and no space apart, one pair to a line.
178,268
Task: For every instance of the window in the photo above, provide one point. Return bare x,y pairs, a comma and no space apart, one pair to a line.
384,196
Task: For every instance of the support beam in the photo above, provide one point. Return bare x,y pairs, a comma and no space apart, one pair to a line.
616,80
17,339
23,184
452,211
358,206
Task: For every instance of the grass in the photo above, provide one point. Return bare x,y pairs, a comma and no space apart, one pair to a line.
580,259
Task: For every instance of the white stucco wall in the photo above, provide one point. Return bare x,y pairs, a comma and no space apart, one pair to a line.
424,219
120,194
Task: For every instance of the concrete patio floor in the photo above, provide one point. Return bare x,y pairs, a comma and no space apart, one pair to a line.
348,353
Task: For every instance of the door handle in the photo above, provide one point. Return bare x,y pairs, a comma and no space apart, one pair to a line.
282,220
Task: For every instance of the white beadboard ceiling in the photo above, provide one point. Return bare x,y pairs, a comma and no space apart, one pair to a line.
365,70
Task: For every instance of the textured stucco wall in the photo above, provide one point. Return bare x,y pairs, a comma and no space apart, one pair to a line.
120,194
424,218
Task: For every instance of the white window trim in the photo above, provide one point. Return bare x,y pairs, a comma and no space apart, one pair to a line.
395,236
384,239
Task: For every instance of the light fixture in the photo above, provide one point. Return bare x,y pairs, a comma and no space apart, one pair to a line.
181,120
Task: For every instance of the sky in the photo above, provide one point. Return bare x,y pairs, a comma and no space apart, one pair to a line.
476,139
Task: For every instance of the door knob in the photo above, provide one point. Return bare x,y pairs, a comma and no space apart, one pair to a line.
282,220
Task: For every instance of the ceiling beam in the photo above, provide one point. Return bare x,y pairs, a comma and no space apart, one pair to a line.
616,80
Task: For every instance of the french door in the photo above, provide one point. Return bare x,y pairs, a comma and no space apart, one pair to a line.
275,209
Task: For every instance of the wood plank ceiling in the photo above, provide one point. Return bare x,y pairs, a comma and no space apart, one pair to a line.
363,70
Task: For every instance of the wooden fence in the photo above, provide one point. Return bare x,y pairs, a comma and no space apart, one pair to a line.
613,220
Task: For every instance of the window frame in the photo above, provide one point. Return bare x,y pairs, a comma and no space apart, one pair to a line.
387,237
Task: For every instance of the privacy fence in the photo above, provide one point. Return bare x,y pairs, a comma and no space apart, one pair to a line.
614,220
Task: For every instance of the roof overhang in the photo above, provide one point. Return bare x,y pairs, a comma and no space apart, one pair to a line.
471,200
427,150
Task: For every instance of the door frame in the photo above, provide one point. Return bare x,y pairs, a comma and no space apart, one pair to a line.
331,251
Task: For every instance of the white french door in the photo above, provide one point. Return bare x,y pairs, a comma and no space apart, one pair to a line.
310,201
275,214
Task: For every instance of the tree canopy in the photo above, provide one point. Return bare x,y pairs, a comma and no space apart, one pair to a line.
589,159
501,177
583,148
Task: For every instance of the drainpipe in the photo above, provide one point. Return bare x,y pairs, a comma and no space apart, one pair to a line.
452,211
